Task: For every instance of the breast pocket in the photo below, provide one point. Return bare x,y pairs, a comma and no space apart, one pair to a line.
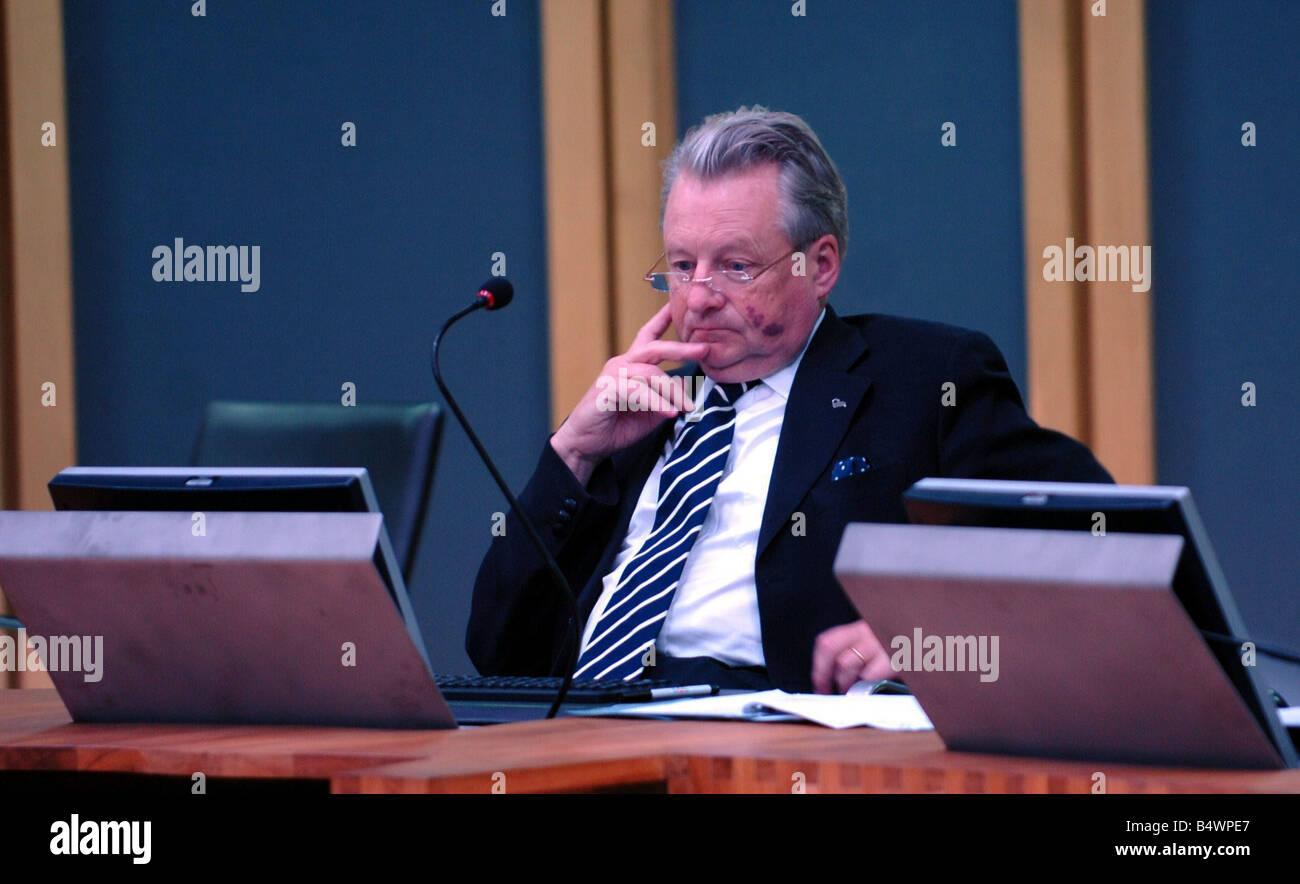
849,493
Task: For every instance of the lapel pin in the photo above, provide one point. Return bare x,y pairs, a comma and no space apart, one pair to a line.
839,403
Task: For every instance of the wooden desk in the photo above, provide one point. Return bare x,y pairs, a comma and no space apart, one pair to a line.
572,754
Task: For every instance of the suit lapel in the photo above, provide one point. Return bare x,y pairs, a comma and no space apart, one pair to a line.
815,421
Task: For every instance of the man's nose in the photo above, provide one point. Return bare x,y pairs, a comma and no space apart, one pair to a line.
702,296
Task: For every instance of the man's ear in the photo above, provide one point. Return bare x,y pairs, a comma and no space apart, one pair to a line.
823,258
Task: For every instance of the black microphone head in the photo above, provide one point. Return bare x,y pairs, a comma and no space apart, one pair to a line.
497,292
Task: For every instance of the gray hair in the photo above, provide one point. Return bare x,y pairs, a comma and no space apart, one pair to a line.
815,202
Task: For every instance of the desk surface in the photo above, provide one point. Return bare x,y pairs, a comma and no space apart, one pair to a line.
574,754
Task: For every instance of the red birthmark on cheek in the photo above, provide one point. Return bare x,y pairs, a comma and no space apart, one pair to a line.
771,330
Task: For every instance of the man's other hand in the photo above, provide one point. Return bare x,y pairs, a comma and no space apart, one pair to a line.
846,654
594,430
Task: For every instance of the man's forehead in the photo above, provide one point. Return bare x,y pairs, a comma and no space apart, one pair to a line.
740,208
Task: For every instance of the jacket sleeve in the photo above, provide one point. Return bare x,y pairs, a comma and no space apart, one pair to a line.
987,433
518,621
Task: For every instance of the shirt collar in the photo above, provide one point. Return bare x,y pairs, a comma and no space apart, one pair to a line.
780,380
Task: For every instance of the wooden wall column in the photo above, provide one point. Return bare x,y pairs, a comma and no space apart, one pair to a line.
1084,147
607,70
37,432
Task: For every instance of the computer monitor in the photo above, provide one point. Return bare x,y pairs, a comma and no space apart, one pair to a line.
238,489
222,489
1198,581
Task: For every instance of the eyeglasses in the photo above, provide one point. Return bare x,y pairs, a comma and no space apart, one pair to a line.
733,277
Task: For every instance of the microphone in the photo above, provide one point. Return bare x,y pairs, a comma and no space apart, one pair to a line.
494,294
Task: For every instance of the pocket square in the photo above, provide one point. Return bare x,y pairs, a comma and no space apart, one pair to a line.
849,466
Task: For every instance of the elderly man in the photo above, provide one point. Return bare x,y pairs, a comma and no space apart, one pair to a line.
699,535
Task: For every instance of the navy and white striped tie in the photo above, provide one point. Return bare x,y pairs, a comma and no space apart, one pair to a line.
636,610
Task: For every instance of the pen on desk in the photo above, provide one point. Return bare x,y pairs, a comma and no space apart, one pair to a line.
680,691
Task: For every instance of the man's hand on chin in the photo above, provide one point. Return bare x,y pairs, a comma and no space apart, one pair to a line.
845,654
595,430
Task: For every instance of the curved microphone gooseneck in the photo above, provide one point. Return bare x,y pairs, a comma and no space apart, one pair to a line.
494,294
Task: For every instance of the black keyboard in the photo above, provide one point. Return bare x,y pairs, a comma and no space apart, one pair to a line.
542,689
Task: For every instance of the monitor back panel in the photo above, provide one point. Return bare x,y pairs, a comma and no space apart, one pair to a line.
266,618
1093,656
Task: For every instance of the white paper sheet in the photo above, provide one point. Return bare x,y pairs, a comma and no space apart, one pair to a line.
888,712
885,711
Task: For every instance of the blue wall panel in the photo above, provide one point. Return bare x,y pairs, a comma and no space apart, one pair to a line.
934,232
1226,233
226,129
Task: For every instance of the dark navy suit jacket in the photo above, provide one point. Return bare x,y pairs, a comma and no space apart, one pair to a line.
889,373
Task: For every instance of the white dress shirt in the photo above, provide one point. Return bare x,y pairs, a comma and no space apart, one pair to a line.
714,612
